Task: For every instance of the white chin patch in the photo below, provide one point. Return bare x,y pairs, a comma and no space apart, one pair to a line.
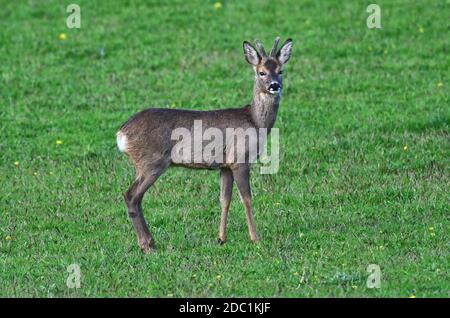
274,92
121,141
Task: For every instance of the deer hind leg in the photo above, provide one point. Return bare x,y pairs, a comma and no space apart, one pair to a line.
226,189
241,174
133,199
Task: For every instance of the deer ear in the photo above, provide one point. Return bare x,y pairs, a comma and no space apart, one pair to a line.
251,55
285,52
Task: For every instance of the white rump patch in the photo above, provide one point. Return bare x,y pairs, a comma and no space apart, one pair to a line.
121,141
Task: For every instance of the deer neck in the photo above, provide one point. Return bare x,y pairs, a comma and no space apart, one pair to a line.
264,108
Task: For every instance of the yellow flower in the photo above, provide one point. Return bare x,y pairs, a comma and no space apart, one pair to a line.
217,5
421,29
440,84
412,296
218,277
59,142
296,274
169,295
431,228
16,163
62,36
432,234
405,148
8,238
354,286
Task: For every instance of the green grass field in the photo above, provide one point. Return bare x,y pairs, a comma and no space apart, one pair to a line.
364,137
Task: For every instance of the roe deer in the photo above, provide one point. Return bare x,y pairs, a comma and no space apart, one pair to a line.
147,139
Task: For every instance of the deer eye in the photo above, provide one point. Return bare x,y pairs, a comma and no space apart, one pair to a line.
262,74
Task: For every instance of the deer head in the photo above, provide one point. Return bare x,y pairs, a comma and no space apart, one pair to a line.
268,67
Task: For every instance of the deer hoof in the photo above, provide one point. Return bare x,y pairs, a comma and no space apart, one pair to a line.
147,247
221,241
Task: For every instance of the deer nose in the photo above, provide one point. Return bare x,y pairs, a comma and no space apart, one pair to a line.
274,86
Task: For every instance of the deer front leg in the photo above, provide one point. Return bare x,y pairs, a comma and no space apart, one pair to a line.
241,174
226,190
